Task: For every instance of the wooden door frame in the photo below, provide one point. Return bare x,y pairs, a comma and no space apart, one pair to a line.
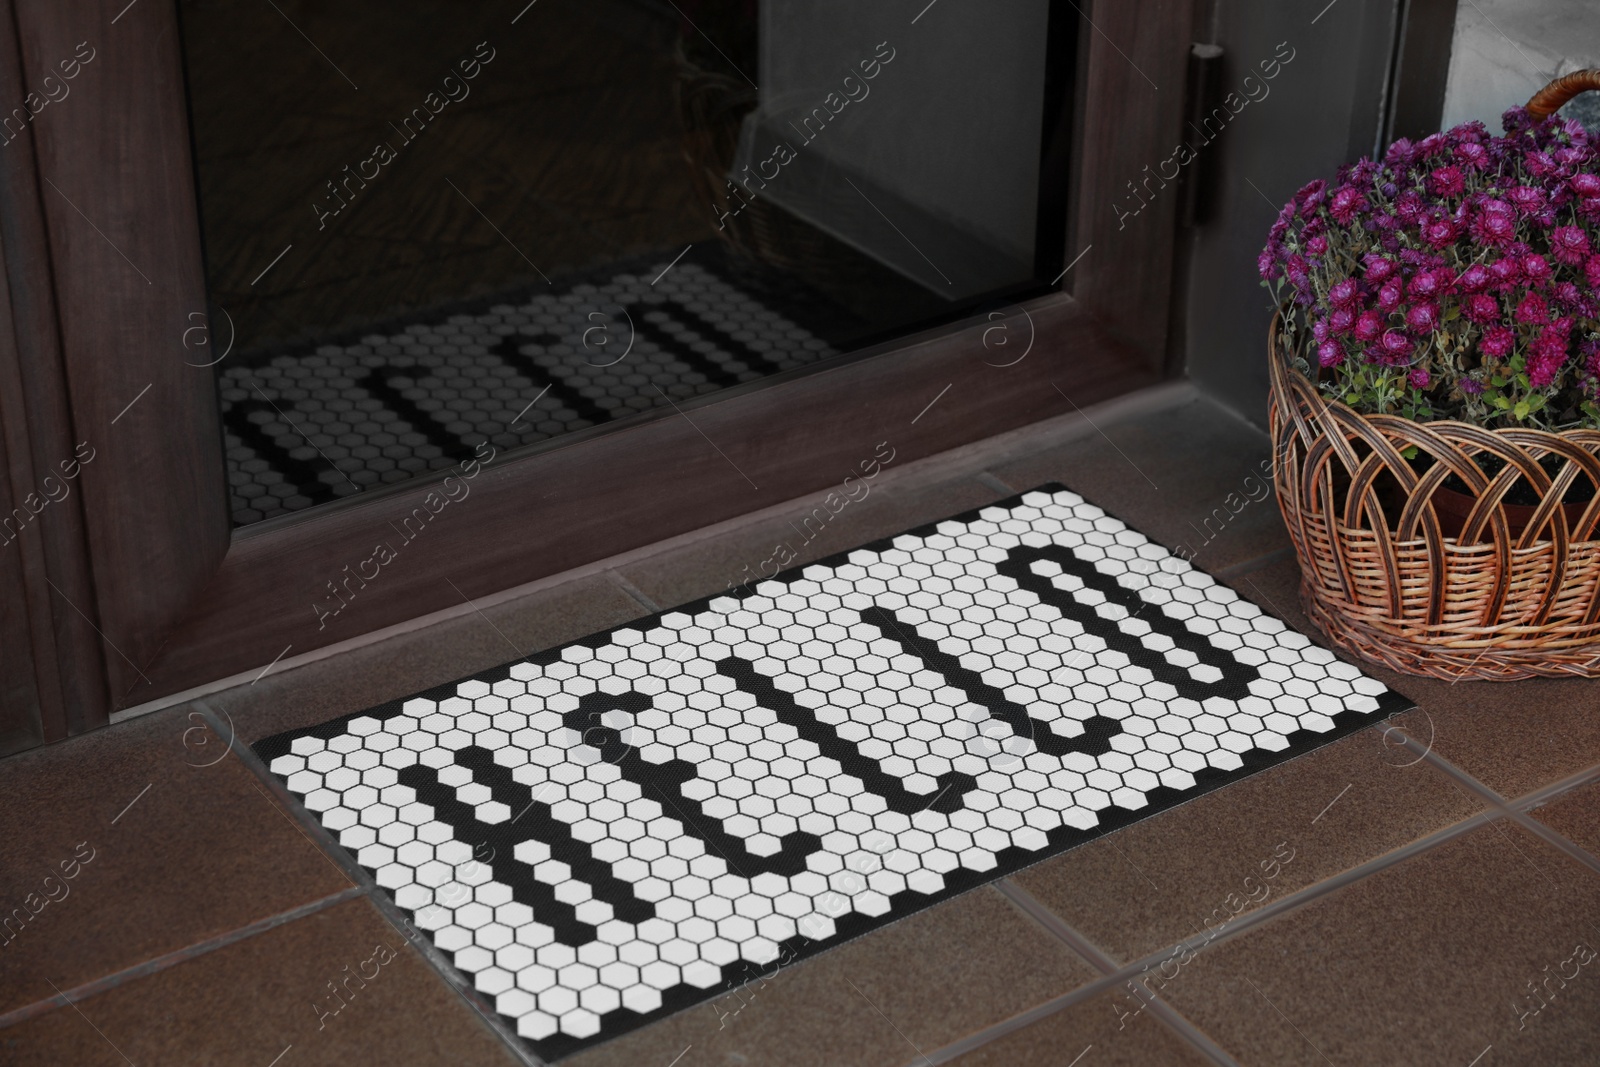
1421,69
136,585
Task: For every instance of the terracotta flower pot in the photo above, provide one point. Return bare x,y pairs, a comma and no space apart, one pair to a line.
1453,508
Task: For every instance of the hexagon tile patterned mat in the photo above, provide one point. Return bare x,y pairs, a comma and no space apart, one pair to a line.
631,824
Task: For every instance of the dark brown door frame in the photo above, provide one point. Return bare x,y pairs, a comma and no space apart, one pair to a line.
141,589
1421,68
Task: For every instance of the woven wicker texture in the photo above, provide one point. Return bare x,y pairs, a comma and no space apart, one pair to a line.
1382,577
1553,97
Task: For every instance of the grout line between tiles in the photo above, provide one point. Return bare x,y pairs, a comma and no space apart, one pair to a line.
1250,920
1240,926
79,993
974,1041
621,582
1545,794
1515,810
379,899
1080,944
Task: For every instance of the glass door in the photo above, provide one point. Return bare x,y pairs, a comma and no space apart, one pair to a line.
435,232
296,272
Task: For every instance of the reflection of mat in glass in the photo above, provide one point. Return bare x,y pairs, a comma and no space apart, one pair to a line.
390,406
631,824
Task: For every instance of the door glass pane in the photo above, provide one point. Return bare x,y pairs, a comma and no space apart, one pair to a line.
435,229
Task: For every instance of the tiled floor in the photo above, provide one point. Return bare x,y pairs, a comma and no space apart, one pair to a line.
1399,896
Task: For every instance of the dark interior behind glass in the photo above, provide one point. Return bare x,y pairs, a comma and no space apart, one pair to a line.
432,230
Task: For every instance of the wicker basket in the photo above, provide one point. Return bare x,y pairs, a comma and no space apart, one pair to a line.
1468,598
1378,574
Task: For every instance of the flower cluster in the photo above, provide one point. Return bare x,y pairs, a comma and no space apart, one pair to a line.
1457,278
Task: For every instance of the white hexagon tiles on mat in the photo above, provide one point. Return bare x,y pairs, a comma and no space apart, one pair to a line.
624,826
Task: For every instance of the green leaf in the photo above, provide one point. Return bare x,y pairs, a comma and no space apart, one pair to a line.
1501,402
1536,401
1521,410
1409,452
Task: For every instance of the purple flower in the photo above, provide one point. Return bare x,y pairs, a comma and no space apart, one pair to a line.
1481,308
1507,272
1409,207
1423,318
1476,278
1497,342
1447,181
1567,296
1397,347
1440,232
1400,154
1526,199
1495,224
1345,204
1378,268
1309,198
1532,311
1570,245
1546,354
1485,246
1539,164
1297,271
1432,283
1368,327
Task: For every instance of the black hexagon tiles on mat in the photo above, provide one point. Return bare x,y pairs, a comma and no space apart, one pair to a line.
628,825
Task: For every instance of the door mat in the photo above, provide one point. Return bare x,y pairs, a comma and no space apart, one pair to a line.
620,828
